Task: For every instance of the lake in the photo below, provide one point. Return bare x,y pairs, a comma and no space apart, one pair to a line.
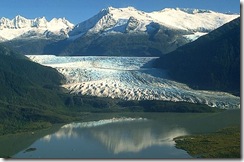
125,135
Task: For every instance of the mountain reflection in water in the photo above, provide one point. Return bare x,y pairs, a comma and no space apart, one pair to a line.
136,135
120,135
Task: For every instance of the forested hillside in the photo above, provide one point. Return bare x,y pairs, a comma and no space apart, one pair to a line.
29,93
211,62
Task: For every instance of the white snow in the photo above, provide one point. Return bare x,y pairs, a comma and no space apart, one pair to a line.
114,20
195,21
194,36
128,78
11,29
185,20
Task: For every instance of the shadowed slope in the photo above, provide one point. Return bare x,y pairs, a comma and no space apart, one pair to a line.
211,62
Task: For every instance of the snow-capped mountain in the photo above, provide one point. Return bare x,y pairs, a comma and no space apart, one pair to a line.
20,27
131,32
113,31
122,20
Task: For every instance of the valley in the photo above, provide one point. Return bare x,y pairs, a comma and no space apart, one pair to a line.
120,83
128,78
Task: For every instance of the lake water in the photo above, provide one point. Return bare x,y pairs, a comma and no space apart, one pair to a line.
128,135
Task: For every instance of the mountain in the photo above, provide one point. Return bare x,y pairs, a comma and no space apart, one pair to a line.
29,97
142,33
32,35
126,20
131,32
211,62
22,28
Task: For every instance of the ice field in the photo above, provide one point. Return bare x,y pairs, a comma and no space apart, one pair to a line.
129,78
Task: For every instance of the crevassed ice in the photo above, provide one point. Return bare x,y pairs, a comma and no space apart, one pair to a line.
128,78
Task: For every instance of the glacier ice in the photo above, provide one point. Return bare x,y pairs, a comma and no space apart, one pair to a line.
128,78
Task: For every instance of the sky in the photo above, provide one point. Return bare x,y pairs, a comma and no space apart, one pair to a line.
77,11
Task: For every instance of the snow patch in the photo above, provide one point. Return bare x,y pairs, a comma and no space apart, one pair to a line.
194,36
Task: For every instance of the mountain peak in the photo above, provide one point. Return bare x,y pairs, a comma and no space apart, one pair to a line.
42,18
110,8
131,8
193,11
116,19
19,17
187,10
3,19
56,20
20,26
107,10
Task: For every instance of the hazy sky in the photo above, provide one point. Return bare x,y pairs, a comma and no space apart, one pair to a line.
79,10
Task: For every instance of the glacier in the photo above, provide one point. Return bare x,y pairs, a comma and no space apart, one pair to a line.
128,78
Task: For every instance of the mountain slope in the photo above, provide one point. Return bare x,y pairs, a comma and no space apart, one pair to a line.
210,62
26,83
122,20
113,31
32,35
29,97
22,28
130,32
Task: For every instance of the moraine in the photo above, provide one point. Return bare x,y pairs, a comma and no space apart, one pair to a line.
129,78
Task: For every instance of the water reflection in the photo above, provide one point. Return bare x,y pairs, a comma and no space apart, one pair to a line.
121,135
128,137
135,139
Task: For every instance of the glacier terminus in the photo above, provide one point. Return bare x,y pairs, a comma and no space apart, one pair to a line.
128,78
